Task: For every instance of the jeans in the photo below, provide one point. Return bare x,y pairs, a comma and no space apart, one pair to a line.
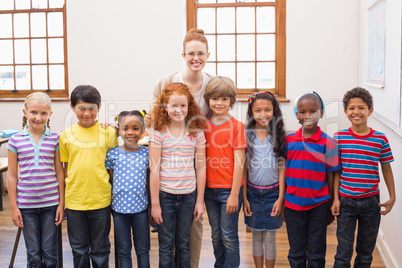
40,234
175,231
366,212
225,237
307,232
137,223
88,232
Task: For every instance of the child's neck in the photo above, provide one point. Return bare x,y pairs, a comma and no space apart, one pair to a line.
261,132
361,130
177,129
217,119
307,133
36,133
130,147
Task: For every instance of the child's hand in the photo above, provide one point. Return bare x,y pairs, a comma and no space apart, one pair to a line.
198,210
330,217
150,220
156,213
105,125
17,217
246,208
335,208
388,206
232,204
284,215
277,208
59,215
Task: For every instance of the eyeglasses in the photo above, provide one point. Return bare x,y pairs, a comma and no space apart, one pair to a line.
199,54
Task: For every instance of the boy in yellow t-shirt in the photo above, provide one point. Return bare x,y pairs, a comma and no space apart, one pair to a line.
83,149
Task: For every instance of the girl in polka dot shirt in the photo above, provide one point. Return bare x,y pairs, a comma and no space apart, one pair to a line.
127,166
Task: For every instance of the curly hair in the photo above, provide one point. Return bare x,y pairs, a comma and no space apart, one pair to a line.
358,92
159,118
276,126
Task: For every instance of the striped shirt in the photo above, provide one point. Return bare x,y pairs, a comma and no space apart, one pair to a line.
177,173
359,158
308,161
37,185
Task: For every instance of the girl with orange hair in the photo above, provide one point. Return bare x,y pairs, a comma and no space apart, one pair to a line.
177,166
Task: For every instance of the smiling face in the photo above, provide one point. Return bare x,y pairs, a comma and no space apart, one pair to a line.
130,130
86,113
263,112
309,113
196,55
358,112
219,106
177,108
37,115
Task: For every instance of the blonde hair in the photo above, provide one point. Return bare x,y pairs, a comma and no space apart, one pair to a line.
38,98
220,86
195,35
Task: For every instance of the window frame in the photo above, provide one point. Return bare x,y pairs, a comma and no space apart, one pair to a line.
280,41
55,94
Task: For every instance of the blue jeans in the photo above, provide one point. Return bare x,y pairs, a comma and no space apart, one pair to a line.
88,232
307,232
174,232
366,212
225,237
138,224
40,234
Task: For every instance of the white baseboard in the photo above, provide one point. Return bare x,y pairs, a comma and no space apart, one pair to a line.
384,251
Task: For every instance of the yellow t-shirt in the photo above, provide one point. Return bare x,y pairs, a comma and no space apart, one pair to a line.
87,183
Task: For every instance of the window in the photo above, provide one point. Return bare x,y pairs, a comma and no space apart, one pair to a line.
247,42
33,48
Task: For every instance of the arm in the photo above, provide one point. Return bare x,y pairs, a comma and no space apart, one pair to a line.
60,177
246,204
232,204
330,181
336,205
278,205
154,165
389,181
12,179
110,171
200,169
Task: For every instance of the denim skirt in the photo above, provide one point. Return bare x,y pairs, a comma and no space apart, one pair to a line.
261,203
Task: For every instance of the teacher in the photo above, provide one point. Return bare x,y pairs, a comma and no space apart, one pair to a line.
195,53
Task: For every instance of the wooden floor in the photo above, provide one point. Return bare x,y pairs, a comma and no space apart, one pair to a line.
8,232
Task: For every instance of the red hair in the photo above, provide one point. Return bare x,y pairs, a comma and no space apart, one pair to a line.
159,118
195,35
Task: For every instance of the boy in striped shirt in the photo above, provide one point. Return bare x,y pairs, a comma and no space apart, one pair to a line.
356,193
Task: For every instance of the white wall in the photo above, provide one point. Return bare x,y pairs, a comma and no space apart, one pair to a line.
386,103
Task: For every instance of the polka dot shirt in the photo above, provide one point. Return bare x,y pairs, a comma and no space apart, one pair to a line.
129,193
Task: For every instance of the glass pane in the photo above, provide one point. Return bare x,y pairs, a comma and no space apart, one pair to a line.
21,51
23,75
210,68
206,1
265,75
266,47
56,50
227,69
56,75
206,19
38,47
38,24
246,47
39,4
226,48
39,77
266,19
22,4
245,75
56,3
6,4
21,25
6,78
55,24
6,52
245,20
5,29
226,20
211,47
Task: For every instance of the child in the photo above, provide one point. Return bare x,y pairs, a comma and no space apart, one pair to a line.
356,193
312,159
264,194
37,192
83,149
226,143
127,166
176,143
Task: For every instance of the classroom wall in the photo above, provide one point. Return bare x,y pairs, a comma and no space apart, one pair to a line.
386,119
